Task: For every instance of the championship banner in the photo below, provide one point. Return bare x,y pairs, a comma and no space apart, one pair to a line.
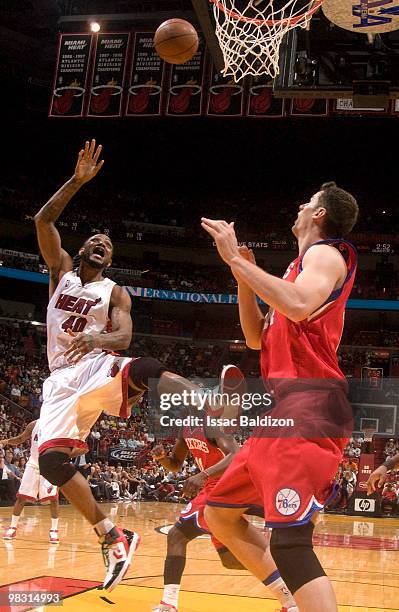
71,75
146,78
261,102
186,85
225,97
309,107
108,75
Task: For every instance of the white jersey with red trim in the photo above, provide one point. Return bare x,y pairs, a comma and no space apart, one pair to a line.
78,308
34,447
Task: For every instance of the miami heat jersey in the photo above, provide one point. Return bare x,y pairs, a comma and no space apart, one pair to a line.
80,308
34,447
308,349
205,453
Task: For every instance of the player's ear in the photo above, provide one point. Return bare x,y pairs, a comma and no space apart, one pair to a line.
81,250
319,213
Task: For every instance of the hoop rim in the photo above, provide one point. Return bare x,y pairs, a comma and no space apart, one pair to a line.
291,21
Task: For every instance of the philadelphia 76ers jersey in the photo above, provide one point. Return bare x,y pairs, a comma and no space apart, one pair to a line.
80,308
308,349
205,453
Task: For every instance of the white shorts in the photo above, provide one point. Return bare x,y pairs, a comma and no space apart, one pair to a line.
34,487
75,396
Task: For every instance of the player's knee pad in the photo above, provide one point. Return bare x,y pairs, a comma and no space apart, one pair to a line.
56,467
228,560
143,369
292,551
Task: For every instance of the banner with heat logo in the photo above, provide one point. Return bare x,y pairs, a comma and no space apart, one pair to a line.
186,85
146,78
225,97
70,82
260,100
108,78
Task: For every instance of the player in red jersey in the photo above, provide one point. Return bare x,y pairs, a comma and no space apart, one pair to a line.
292,468
213,453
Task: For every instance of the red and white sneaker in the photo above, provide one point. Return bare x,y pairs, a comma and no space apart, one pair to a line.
164,607
292,609
117,553
10,533
53,536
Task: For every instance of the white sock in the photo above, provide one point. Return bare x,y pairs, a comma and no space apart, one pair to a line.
281,592
103,527
54,524
14,521
171,594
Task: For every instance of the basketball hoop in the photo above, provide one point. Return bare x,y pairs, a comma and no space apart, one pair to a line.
250,37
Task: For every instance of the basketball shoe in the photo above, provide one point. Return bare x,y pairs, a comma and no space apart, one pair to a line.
10,533
292,609
164,607
117,549
53,536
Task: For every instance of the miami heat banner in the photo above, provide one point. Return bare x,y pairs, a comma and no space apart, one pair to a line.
261,102
146,78
186,85
309,107
225,97
108,75
71,75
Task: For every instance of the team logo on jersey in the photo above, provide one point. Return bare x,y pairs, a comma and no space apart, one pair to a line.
287,501
187,508
49,490
114,369
67,283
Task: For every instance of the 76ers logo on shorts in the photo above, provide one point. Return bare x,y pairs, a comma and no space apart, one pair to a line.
187,508
287,501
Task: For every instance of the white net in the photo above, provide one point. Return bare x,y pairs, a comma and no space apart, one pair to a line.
250,37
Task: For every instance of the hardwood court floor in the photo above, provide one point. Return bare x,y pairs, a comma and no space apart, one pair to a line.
361,558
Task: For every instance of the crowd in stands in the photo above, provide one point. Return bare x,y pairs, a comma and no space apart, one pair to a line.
194,278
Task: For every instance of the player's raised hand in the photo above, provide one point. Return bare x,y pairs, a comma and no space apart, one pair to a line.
158,452
224,235
88,166
377,479
247,253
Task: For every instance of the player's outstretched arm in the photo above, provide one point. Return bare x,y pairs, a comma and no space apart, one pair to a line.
56,258
173,461
25,435
251,316
378,477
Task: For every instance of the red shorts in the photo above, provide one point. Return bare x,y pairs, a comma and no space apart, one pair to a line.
291,477
191,519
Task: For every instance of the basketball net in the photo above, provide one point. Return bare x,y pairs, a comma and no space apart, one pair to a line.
250,38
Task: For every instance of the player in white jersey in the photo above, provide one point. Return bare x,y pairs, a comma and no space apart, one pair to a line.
86,376
33,486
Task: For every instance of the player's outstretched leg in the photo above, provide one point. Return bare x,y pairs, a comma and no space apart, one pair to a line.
11,531
118,546
251,547
54,512
175,563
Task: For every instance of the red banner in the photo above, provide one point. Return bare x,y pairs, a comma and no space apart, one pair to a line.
71,75
309,107
225,97
108,77
146,78
261,102
186,85
366,466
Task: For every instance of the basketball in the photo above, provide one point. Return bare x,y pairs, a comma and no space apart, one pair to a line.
176,41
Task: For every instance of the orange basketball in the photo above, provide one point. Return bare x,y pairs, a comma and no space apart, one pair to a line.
176,41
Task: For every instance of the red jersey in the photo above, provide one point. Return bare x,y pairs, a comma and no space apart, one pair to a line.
205,453
308,349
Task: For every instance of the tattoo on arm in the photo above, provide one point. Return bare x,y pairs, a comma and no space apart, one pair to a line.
50,212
